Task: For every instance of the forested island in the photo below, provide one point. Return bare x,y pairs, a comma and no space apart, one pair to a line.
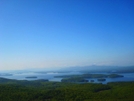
31,77
39,90
91,76
83,77
74,79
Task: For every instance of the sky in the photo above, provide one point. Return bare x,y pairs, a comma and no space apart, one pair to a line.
63,33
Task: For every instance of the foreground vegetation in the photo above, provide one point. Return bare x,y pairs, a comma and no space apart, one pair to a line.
40,90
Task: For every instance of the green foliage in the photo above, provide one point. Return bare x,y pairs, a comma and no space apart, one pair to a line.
91,76
114,75
13,90
94,75
74,79
82,78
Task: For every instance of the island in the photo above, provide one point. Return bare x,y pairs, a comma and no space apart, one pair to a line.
31,77
42,80
114,76
74,79
83,77
91,76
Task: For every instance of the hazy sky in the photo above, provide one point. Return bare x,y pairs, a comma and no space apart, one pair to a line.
62,33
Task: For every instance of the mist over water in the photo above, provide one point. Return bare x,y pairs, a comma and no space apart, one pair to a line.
50,75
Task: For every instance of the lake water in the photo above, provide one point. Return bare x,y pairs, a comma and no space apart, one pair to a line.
127,77
50,76
47,75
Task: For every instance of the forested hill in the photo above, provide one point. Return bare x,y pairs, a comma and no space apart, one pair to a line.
39,90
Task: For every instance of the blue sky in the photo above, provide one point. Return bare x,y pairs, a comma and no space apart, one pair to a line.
63,33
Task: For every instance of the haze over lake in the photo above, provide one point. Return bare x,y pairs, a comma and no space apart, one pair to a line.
52,75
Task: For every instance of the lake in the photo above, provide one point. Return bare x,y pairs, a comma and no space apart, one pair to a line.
50,76
127,77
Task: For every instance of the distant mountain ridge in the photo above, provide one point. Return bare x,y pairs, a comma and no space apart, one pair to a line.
96,68
85,69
